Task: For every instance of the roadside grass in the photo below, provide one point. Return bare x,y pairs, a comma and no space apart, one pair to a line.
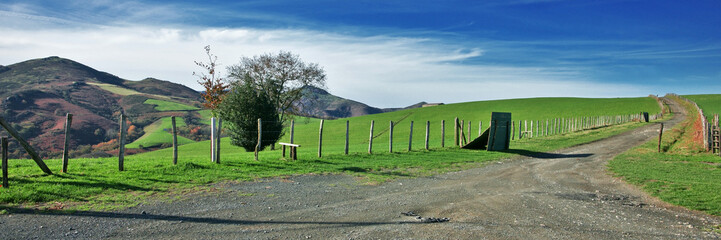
682,174
155,134
97,183
163,106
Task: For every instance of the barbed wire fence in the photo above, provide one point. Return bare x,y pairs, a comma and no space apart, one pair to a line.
462,134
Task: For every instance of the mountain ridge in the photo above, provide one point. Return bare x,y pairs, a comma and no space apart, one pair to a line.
37,94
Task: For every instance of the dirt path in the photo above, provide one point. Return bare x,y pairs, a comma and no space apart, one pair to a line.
563,195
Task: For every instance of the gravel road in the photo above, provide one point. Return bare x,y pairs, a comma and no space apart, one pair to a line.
563,195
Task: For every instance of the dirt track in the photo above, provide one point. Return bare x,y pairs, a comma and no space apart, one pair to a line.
563,195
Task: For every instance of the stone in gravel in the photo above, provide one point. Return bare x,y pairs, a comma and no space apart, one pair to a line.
409,213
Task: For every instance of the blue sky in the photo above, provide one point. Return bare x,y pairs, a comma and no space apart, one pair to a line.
394,53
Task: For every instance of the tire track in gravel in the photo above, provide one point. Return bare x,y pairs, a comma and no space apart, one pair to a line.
563,195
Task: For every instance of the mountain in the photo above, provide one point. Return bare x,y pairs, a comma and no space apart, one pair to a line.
36,94
321,104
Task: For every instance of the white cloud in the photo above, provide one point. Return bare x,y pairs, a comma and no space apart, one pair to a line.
380,70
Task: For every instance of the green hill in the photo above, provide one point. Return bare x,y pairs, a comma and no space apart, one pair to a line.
306,129
157,134
710,103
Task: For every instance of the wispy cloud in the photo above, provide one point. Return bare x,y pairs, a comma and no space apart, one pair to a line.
386,68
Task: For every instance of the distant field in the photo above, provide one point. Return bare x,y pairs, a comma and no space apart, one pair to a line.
710,103
163,106
115,89
123,91
155,134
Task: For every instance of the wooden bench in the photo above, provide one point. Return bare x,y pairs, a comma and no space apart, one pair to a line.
293,150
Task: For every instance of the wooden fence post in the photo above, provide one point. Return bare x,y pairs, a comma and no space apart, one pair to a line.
546,132
513,130
370,139
66,144
4,150
121,151
469,131
428,128
175,140
461,137
532,129
260,138
292,131
347,126
217,140
320,139
410,138
390,138
480,128
212,139
443,133
455,132
29,149
660,134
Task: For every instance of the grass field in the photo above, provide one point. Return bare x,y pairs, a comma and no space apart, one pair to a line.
710,103
155,134
682,174
116,89
97,184
521,109
163,106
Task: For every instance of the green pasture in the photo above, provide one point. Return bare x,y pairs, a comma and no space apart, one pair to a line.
710,103
681,174
156,134
97,184
163,106
541,109
115,89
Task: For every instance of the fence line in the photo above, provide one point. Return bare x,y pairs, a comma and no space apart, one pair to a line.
536,128
706,131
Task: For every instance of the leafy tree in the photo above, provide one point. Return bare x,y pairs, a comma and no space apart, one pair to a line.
280,77
214,86
240,110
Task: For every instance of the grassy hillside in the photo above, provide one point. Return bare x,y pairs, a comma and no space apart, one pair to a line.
156,134
163,106
306,129
98,184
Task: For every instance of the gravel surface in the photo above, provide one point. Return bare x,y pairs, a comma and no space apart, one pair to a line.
563,195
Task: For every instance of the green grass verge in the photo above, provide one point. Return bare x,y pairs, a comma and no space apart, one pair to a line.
163,106
155,134
680,174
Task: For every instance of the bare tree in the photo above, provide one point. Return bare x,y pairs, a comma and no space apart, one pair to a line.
214,86
281,77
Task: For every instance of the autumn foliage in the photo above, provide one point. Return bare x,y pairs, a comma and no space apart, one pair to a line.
214,86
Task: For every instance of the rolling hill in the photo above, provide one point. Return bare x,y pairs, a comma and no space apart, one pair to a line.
36,95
